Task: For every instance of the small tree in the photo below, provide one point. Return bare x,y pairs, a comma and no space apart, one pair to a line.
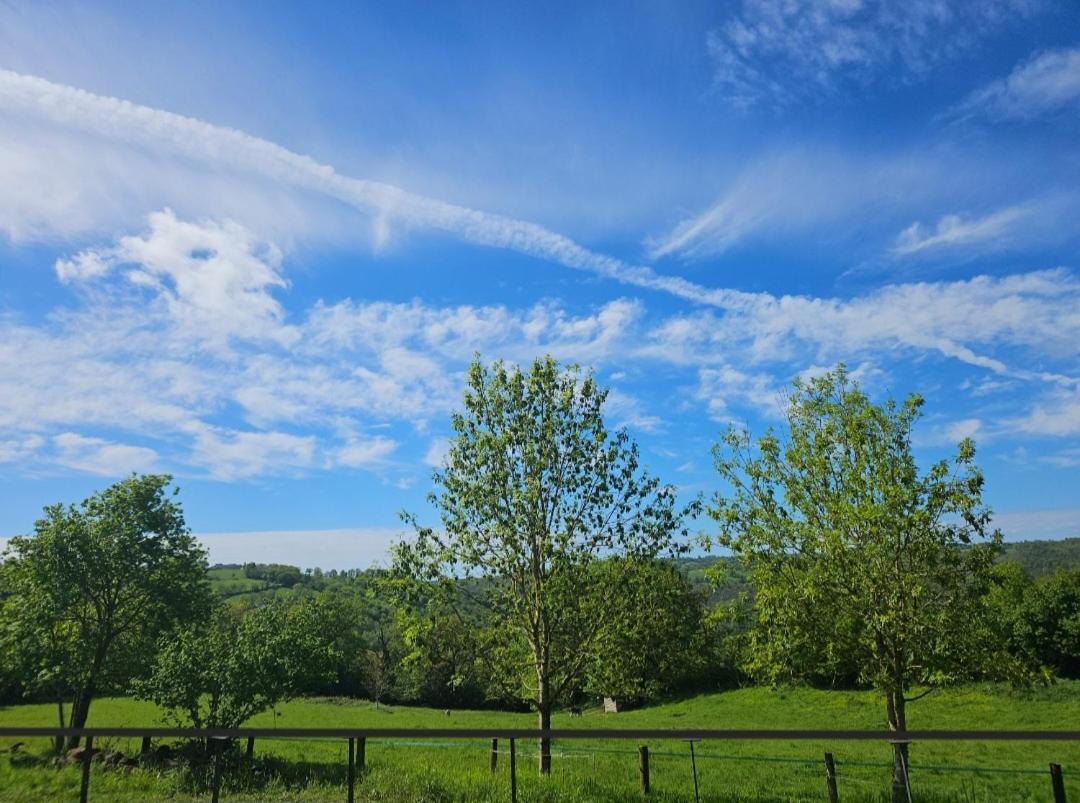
535,488
222,673
853,551
96,585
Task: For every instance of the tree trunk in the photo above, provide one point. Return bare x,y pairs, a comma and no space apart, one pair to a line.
543,707
898,722
60,713
545,743
80,709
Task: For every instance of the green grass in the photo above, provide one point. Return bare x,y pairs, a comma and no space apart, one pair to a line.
601,771
233,584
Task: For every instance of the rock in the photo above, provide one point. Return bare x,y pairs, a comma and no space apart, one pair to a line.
76,754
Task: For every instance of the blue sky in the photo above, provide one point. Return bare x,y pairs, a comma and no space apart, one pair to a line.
256,244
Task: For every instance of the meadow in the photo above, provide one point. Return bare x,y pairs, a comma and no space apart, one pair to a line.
418,770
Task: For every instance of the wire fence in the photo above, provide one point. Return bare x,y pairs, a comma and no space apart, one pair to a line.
504,746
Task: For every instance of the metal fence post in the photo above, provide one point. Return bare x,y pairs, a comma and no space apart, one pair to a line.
88,750
513,772
494,755
361,754
352,769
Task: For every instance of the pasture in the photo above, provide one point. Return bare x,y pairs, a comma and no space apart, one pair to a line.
419,770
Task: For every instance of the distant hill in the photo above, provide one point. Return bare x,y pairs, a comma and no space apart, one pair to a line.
1037,557
258,581
1044,557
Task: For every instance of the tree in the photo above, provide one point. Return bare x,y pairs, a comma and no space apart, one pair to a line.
220,673
655,635
97,584
534,488
853,551
1040,618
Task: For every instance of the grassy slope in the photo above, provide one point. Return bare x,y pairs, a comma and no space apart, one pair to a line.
588,771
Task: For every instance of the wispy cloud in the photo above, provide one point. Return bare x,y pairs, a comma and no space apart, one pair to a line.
143,127
802,192
776,52
102,457
954,230
1046,83
297,393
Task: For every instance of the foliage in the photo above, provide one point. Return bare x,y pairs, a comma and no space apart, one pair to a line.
274,573
533,489
221,673
654,639
854,554
96,585
1040,618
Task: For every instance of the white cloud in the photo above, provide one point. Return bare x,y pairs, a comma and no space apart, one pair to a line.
625,410
1048,82
726,387
964,428
346,548
437,452
102,457
800,191
238,455
1031,524
953,230
31,174
1034,311
308,387
19,448
1058,414
776,52
358,453
214,278
1066,458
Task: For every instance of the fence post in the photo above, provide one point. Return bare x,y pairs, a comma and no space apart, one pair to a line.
494,755
513,772
830,778
1058,782
145,749
361,754
352,769
693,768
84,789
643,767
216,787
250,747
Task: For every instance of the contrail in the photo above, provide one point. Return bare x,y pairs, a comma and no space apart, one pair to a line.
142,126
122,120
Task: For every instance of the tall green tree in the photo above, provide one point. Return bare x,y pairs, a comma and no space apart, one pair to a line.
534,488
854,551
98,583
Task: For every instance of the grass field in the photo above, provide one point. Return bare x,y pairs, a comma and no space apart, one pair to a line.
602,771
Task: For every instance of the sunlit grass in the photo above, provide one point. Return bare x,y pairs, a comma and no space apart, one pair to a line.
601,771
